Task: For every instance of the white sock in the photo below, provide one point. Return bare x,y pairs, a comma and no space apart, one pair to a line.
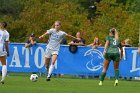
4,72
50,70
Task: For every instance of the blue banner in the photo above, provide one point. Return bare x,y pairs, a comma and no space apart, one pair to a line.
86,61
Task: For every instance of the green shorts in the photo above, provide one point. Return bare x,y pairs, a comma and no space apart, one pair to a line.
112,56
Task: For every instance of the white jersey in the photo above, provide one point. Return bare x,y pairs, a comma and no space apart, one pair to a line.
55,38
4,36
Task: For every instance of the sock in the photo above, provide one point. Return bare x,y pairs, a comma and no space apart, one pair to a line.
4,72
102,76
116,74
50,70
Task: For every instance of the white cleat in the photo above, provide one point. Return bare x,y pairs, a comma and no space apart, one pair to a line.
116,83
100,83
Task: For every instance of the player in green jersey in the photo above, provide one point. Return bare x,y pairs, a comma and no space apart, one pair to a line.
112,51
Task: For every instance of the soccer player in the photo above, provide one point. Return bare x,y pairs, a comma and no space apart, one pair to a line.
4,52
52,49
112,51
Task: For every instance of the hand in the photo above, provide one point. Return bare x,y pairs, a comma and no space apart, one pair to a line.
104,52
32,42
116,32
40,37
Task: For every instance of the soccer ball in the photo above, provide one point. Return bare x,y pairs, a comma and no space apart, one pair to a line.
34,77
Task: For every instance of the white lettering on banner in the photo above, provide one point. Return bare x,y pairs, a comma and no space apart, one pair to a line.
15,59
27,52
42,57
134,61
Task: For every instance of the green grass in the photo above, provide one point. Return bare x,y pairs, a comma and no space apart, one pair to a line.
22,84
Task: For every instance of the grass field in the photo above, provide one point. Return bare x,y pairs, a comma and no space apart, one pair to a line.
22,84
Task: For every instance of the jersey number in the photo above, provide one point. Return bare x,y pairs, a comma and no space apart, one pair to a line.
114,42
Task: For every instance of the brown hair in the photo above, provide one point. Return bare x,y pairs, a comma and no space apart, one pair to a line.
59,22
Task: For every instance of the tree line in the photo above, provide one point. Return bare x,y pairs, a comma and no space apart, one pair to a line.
90,17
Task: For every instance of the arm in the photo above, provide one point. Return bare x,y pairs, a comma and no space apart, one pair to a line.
71,36
27,45
121,54
79,44
42,36
106,46
90,44
7,48
33,42
116,35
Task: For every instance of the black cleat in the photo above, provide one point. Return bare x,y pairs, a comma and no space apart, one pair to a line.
48,79
2,82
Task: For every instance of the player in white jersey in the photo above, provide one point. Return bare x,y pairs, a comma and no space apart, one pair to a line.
52,49
4,52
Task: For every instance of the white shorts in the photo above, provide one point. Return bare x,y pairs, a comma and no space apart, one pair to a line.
50,52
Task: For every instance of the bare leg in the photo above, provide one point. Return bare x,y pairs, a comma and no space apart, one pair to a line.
105,67
47,62
54,57
116,66
4,68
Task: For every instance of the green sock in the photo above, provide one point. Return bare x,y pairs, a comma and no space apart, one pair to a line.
102,76
116,74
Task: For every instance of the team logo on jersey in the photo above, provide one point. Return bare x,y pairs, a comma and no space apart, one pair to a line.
96,59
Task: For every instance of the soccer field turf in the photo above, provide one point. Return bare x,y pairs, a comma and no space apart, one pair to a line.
22,84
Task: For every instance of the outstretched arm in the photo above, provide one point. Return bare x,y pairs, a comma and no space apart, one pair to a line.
42,36
71,36
116,35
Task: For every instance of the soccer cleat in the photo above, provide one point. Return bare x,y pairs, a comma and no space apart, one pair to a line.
2,82
116,83
48,79
100,83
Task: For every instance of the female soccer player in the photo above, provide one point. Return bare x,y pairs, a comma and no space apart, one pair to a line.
4,38
52,49
112,52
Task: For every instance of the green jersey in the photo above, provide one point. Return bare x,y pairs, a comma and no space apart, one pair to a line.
113,46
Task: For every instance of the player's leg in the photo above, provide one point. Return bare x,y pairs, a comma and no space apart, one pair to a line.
105,67
47,58
54,57
47,62
4,68
116,68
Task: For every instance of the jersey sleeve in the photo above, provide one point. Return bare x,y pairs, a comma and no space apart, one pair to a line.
49,31
107,38
64,34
